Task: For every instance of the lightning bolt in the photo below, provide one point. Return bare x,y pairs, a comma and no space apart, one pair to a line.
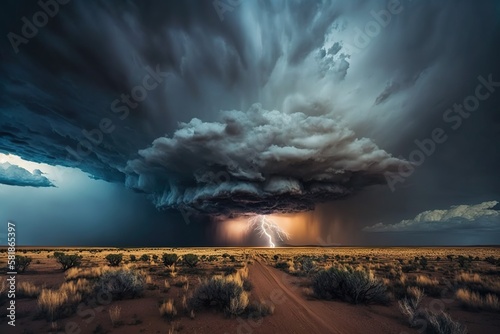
266,227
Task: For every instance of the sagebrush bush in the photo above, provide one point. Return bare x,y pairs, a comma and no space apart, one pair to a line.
114,259
68,261
225,293
353,286
22,263
122,283
434,322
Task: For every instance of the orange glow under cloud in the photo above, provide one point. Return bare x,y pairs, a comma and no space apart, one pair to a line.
302,227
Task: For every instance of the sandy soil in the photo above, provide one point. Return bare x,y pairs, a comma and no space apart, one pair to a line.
295,314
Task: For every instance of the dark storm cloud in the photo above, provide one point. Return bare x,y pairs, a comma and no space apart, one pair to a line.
289,56
461,217
258,161
95,52
17,176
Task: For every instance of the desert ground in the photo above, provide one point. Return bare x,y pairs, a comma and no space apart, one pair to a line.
254,290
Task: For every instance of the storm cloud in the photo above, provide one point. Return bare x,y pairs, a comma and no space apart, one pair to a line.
258,161
348,112
461,217
17,176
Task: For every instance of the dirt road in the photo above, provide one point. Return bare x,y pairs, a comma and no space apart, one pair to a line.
294,313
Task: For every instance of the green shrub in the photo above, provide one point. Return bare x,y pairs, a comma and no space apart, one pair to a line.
169,259
22,263
133,258
423,262
68,261
144,258
121,283
191,260
281,265
308,265
114,259
353,286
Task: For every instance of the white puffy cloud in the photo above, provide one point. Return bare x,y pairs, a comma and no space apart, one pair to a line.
257,161
17,176
479,217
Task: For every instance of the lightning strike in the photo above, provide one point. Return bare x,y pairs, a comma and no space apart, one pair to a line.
266,227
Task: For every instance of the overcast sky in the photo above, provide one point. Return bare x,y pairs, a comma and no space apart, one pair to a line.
173,123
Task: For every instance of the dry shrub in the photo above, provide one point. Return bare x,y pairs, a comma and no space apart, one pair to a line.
435,322
260,309
347,284
122,283
225,293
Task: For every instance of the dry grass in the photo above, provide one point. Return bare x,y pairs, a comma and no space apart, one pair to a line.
168,310
425,282
27,289
473,300
415,293
114,315
181,281
57,303
184,303
88,273
82,286
468,278
166,286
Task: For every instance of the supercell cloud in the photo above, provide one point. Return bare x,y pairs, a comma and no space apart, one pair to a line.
320,102
258,161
